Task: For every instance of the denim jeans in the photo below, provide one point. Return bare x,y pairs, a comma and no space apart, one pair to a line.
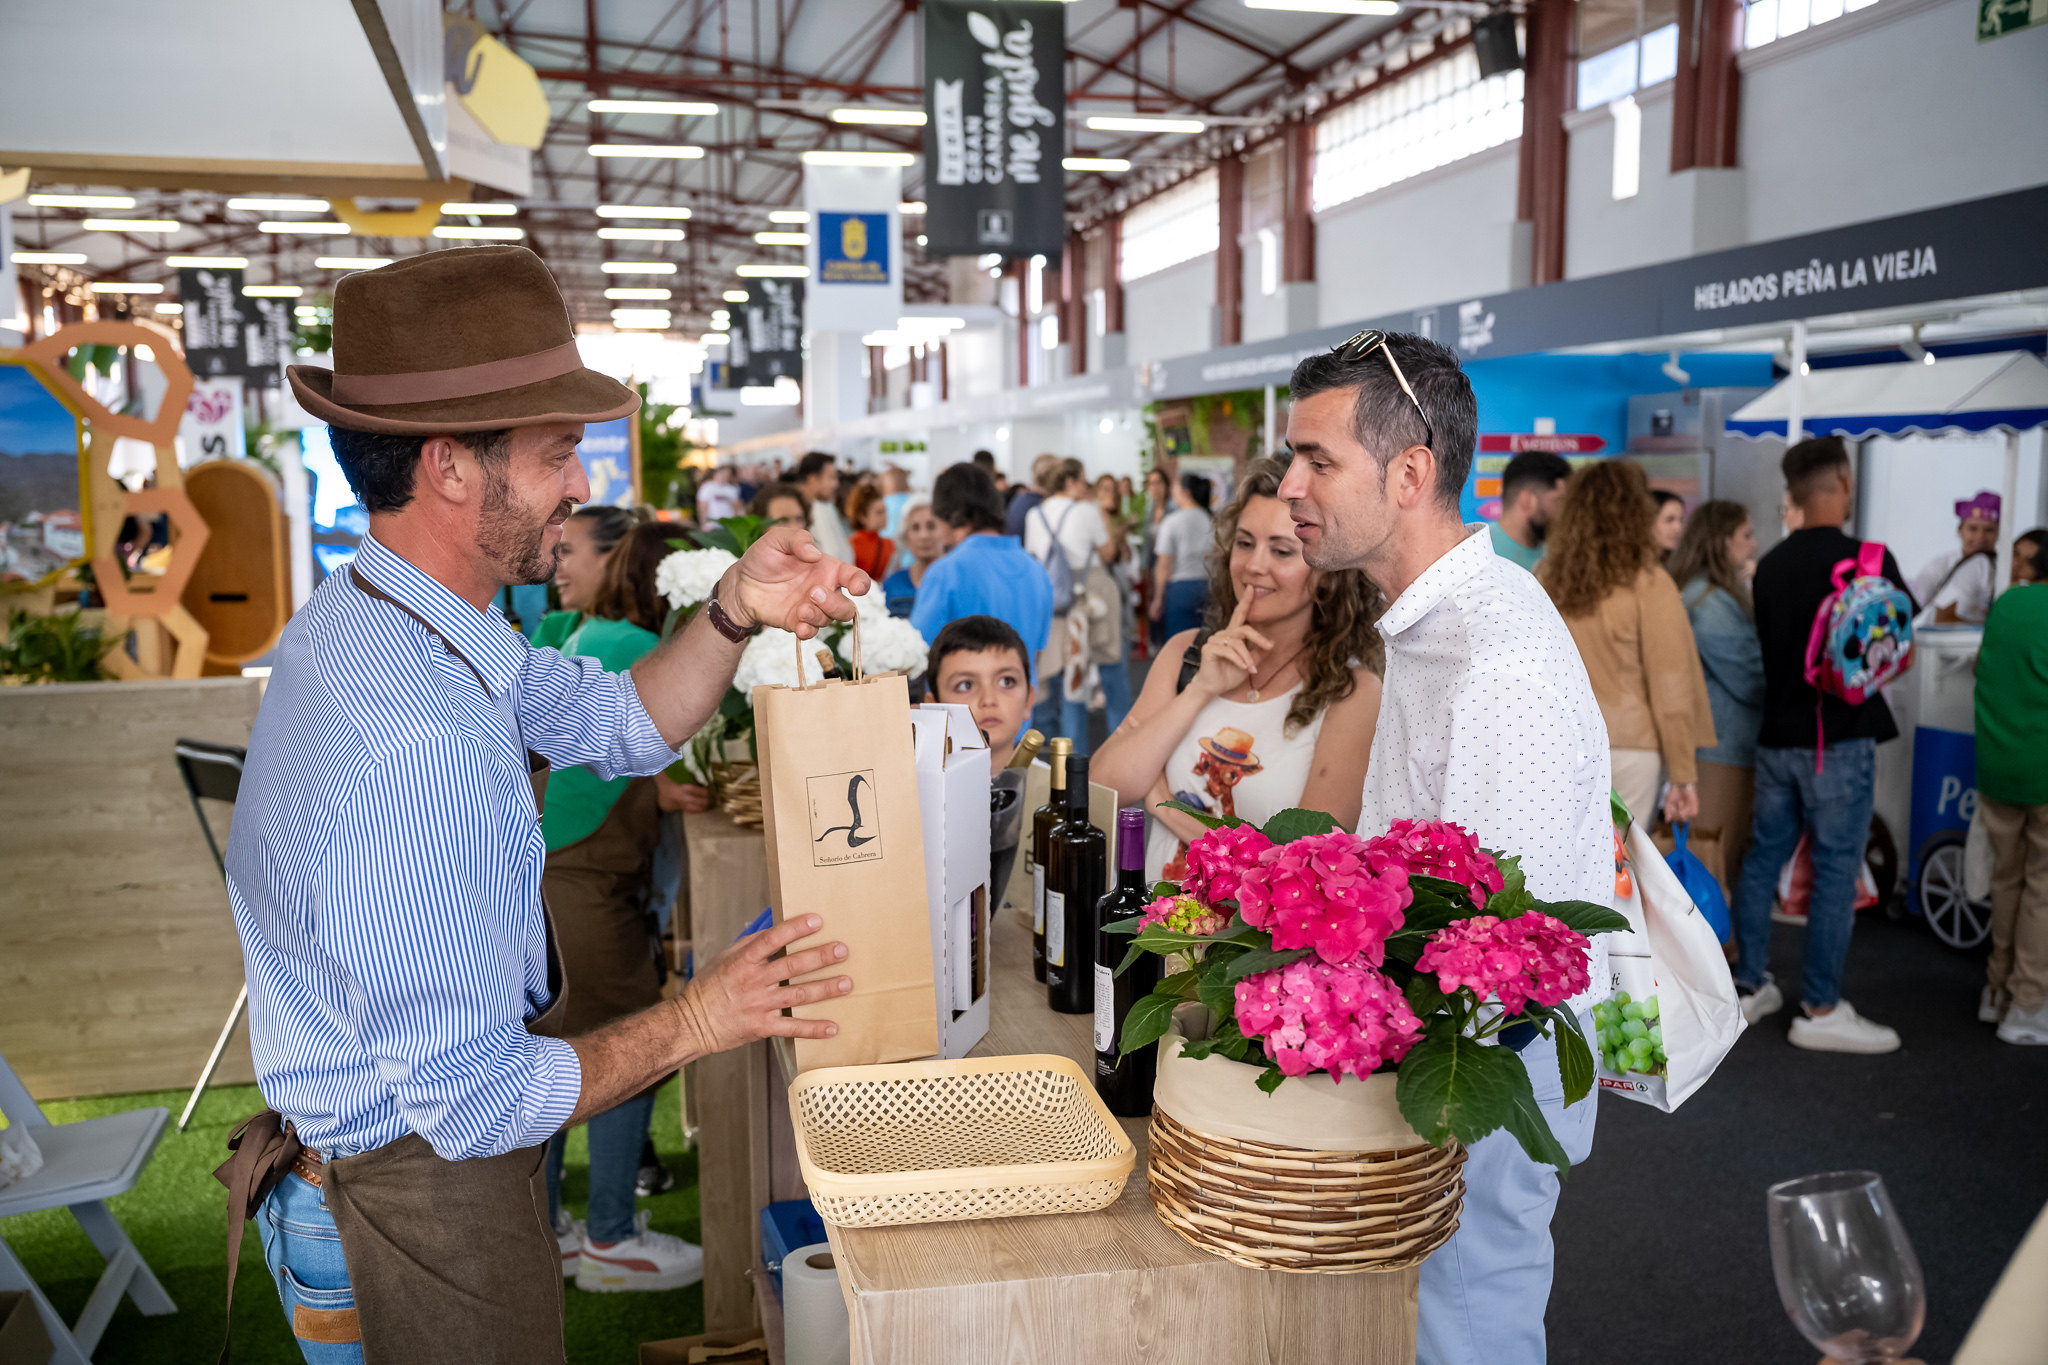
1186,600
303,1250
1834,804
1483,1293
1116,697
616,1136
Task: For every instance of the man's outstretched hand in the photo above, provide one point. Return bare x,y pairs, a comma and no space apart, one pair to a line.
742,995
785,580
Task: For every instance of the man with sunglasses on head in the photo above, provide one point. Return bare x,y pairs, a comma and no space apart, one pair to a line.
1487,720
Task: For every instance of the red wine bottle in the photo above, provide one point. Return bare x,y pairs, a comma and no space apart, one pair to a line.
1077,869
1042,821
1125,1084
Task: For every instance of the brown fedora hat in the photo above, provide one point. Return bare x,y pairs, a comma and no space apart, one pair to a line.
472,339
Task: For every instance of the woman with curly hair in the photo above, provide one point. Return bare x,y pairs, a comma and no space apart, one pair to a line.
1624,612
1272,706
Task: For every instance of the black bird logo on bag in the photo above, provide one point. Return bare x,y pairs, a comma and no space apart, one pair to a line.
854,838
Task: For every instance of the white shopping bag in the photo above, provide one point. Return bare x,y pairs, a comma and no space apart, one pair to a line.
1671,1014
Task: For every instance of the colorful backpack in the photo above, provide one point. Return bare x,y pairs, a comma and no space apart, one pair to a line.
1862,635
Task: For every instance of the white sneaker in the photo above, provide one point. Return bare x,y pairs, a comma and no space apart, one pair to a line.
1762,1002
648,1260
569,1237
1991,1005
2024,1026
1842,1029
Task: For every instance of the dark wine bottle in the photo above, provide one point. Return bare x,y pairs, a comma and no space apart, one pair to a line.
1042,821
1125,1084
1077,869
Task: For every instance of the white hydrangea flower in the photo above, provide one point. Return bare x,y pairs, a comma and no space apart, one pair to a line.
688,577
872,606
770,659
888,645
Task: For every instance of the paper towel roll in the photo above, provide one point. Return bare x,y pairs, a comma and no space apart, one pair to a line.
814,1328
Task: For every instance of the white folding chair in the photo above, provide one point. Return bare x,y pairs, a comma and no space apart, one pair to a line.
212,772
84,1164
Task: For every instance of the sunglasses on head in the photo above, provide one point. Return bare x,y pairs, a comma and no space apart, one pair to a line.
1372,339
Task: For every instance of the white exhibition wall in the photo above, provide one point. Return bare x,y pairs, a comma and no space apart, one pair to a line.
1910,484
1172,312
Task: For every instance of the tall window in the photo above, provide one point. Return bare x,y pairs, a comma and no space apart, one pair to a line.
1174,226
1625,46
1412,124
1768,20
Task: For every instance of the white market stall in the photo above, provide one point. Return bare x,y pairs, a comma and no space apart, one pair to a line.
1925,788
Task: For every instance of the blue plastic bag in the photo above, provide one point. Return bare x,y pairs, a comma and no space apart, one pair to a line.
1699,884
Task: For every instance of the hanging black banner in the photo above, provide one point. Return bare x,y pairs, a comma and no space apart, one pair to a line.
227,332
995,132
772,324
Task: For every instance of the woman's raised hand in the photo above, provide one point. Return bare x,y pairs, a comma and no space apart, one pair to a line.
1231,656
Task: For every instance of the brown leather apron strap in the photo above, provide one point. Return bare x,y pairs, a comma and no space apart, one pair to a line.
265,1149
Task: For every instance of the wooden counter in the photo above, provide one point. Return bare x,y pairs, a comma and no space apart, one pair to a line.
1102,1287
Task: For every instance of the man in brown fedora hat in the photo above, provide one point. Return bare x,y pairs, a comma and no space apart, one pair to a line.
385,864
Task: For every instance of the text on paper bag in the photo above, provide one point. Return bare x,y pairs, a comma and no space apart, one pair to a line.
845,818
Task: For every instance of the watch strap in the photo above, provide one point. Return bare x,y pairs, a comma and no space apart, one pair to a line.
725,625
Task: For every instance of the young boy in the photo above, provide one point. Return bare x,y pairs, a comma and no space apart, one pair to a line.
980,662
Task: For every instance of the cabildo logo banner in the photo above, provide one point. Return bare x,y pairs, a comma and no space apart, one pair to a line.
994,136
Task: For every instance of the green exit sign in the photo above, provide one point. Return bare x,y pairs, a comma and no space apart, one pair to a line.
1996,18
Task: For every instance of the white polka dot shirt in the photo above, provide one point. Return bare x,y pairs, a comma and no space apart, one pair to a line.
1488,720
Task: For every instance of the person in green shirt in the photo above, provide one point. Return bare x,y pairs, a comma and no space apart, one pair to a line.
588,538
1531,487
601,839
2012,801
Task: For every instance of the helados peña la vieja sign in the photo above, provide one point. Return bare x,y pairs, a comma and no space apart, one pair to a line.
995,135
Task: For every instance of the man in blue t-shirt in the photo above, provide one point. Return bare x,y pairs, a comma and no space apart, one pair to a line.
984,572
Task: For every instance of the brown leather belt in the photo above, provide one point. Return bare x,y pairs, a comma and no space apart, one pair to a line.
306,1165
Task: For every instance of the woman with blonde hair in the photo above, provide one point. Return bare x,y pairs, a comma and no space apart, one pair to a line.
1272,706
1624,613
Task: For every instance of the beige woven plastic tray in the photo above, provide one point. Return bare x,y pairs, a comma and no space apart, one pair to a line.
942,1141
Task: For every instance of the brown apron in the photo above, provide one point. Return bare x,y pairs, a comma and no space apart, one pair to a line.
595,890
452,1262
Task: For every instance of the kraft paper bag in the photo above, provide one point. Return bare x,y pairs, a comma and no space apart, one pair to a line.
839,795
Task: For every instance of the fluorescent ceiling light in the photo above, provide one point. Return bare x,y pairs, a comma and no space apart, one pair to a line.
911,206
480,234
902,118
638,267
783,238
173,308
271,291
650,107
48,258
657,149
307,229
482,210
124,287
1380,7
133,225
737,296
625,292
307,310
1121,124
781,394
774,272
280,205
859,159
617,234
649,326
789,215
936,324
351,262
641,211
207,262
1109,164
714,339
659,316
82,201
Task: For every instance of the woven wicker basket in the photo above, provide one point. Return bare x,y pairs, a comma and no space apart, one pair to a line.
737,789
1383,1202
941,1141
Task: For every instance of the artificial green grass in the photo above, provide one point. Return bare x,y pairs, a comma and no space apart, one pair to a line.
176,1215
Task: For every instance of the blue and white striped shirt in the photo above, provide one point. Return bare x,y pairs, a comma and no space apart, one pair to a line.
385,866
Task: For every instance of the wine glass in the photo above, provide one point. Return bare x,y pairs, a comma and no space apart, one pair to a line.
1846,1272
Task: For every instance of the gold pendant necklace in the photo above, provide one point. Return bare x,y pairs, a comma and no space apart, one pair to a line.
1252,694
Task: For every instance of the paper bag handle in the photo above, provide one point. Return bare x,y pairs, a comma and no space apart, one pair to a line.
859,673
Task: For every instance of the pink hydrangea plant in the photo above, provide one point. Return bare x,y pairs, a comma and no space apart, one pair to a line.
1318,892
1436,848
1219,859
1184,915
1531,957
1311,1015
